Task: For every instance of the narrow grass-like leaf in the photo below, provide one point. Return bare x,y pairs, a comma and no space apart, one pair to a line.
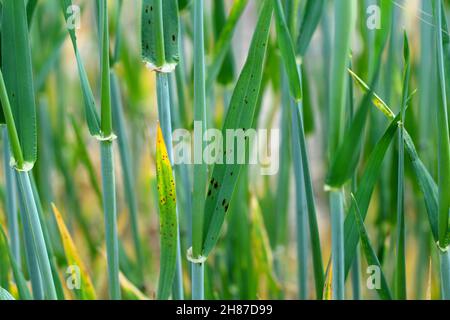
400,270
345,19
376,100
287,52
443,133
240,116
22,288
364,192
45,225
369,252
128,180
426,183
327,293
347,155
224,42
167,216
92,117
226,74
165,118
301,212
311,17
85,158
263,255
86,290
18,73
160,34
129,290
4,263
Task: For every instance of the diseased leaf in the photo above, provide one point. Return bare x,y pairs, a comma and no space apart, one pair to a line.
327,287
160,34
129,290
240,116
167,218
86,291
376,100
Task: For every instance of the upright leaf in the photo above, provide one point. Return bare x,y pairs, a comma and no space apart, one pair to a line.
224,42
167,218
92,117
371,257
240,116
311,17
287,52
364,192
443,132
160,34
18,73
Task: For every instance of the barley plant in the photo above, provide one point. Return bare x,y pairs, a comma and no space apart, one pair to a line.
224,149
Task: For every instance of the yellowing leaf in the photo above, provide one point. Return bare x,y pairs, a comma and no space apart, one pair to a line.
376,100
86,291
129,290
262,252
327,288
167,217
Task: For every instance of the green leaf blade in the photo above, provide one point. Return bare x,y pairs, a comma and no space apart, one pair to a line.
240,116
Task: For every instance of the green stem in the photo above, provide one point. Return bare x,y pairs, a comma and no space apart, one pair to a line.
198,288
10,199
200,169
312,216
128,179
337,243
302,231
110,216
30,256
445,274
356,276
106,114
40,248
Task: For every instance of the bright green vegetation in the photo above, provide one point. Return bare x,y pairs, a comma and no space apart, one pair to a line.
357,208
